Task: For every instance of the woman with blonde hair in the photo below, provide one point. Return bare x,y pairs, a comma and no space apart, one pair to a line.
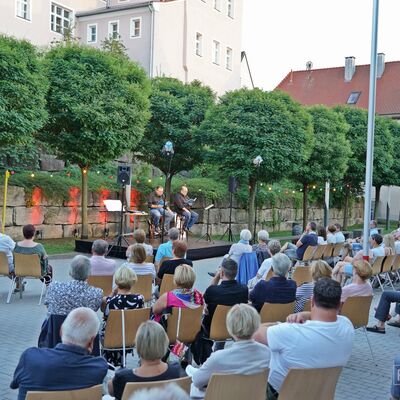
360,285
319,269
389,244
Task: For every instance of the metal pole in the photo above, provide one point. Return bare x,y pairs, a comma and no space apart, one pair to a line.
326,208
3,222
388,209
371,127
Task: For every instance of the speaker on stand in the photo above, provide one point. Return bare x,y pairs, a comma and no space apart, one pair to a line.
232,187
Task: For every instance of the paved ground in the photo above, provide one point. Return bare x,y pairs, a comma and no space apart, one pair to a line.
20,323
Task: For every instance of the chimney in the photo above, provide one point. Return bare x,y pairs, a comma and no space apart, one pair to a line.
380,67
349,68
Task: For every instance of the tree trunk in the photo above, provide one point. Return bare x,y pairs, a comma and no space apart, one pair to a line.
305,203
377,198
252,200
84,202
346,209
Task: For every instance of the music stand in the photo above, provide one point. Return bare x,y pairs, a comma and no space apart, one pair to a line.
229,228
208,233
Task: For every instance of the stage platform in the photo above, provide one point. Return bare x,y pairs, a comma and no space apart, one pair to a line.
197,249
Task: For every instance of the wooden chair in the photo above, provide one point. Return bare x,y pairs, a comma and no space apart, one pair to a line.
274,312
26,266
387,268
104,282
144,286
319,252
218,330
162,260
149,259
270,274
356,309
337,248
307,305
121,329
328,250
310,384
92,393
4,271
167,284
233,386
302,275
184,324
308,255
132,387
377,269
396,265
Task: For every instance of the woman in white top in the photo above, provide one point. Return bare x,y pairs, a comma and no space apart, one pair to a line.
137,261
330,234
321,231
243,246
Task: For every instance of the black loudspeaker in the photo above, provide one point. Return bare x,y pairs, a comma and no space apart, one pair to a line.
233,184
124,175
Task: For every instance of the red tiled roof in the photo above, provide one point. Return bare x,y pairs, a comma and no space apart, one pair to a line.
327,86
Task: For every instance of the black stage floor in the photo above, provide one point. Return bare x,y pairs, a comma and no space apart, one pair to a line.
197,249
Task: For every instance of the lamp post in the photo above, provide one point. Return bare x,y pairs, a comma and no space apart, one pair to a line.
167,151
257,162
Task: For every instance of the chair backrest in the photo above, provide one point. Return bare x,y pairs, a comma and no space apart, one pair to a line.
27,265
184,324
144,286
328,250
232,386
337,248
356,309
103,282
149,259
274,312
162,260
310,384
377,265
167,284
319,252
269,275
307,305
218,329
132,320
396,263
132,387
388,263
308,254
92,393
4,270
302,275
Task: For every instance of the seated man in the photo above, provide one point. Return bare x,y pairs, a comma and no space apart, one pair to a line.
182,206
316,339
278,289
100,265
165,249
66,367
156,206
309,238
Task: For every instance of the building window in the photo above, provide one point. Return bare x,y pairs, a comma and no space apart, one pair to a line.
217,5
92,33
199,44
353,98
231,8
136,27
60,18
229,58
24,9
216,47
113,30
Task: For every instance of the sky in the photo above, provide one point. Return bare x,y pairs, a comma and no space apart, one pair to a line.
280,35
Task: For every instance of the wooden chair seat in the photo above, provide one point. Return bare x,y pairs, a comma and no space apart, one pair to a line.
218,330
104,282
302,275
144,286
274,312
184,324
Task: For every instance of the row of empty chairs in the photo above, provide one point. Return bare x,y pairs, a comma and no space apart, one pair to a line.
323,251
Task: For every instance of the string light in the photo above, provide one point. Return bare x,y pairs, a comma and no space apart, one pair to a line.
32,175
270,188
51,175
98,172
314,187
85,171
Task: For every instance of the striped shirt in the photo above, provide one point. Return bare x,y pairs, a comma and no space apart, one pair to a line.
142,269
303,294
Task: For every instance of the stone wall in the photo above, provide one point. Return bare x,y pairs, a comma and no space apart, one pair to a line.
56,219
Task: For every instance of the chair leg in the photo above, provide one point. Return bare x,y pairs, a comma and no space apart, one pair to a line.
11,288
389,278
21,286
42,291
370,348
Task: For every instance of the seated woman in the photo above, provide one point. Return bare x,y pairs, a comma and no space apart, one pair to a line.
140,236
184,296
389,244
151,346
331,234
319,269
137,261
242,322
243,246
321,232
122,298
29,246
262,245
360,285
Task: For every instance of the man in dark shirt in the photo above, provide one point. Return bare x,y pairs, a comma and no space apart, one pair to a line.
278,289
179,249
309,238
67,366
182,206
156,205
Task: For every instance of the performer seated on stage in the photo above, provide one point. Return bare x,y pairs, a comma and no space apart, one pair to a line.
156,205
182,205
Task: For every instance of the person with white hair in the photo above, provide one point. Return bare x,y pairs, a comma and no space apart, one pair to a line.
68,366
278,289
62,297
243,246
99,263
168,392
262,237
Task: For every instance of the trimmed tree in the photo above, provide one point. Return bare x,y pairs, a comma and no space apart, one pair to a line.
177,109
247,123
328,160
23,88
98,106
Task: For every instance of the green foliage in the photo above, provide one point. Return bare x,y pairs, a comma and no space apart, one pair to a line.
20,156
23,88
392,177
114,46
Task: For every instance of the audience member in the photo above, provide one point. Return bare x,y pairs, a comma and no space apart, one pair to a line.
360,285
331,234
339,234
140,236
100,265
7,247
243,246
278,289
62,297
309,238
137,261
262,245
168,392
373,228
319,269
165,249
389,244
151,345
321,234
66,367
245,356
179,249
316,339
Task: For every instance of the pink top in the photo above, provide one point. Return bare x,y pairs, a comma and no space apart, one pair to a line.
354,289
102,266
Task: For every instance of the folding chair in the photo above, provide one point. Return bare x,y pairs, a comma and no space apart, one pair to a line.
184,324
150,259
92,393
121,329
5,271
274,312
319,252
167,284
233,386
307,305
302,275
26,266
162,260
144,286
218,330
310,384
328,250
377,269
356,309
396,266
387,268
337,248
104,282
132,387
308,255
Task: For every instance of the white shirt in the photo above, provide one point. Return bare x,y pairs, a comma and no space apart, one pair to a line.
331,238
314,344
340,237
142,269
7,246
237,249
321,240
148,248
265,267
397,246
